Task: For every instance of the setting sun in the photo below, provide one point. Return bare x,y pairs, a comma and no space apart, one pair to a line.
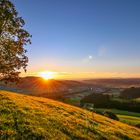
47,75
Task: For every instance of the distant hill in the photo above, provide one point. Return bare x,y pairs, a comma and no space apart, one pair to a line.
55,88
37,118
39,87
115,82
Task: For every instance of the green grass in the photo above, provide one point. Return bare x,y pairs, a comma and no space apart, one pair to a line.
72,101
129,119
125,100
34,118
121,112
137,99
124,116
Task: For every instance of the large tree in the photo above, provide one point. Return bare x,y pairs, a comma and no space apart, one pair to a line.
13,38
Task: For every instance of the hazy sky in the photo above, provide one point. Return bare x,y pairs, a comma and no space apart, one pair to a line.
83,38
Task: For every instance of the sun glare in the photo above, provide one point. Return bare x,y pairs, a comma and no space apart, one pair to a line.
47,75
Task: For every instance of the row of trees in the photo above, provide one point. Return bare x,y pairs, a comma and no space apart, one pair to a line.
105,101
130,93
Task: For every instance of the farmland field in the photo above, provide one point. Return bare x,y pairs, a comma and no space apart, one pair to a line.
124,116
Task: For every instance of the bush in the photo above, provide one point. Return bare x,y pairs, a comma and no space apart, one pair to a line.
99,112
137,125
111,115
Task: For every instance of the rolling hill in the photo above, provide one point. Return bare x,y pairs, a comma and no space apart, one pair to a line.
116,82
36,118
39,87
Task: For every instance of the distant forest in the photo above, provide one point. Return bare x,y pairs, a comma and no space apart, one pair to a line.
124,102
131,93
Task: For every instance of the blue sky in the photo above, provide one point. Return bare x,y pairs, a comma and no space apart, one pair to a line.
83,36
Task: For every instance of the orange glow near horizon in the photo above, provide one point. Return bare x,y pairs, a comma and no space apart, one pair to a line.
80,75
47,75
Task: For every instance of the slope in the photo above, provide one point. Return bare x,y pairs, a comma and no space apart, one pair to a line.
44,88
28,117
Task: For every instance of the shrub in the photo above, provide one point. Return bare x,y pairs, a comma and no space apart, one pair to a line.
111,115
137,125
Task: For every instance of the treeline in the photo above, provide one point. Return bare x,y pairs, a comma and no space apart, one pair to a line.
105,101
130,93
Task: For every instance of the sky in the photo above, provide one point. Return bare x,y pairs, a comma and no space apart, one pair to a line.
82,38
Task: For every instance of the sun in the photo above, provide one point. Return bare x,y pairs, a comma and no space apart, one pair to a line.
47,75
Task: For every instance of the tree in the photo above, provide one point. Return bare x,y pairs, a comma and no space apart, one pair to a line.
12,40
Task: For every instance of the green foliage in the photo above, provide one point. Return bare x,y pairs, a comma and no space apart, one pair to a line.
120,112
137,99
12,39
131,118
106,101
111,115
98,100
131,93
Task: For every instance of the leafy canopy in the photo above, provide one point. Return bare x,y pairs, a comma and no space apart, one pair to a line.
12,40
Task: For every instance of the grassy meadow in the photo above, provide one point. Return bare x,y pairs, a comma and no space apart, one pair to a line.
131,118
34,118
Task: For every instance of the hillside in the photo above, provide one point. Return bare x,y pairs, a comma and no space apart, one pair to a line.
116,82
40,87
28,117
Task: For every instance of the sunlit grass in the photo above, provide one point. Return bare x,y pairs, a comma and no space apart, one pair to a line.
27,117
129,119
